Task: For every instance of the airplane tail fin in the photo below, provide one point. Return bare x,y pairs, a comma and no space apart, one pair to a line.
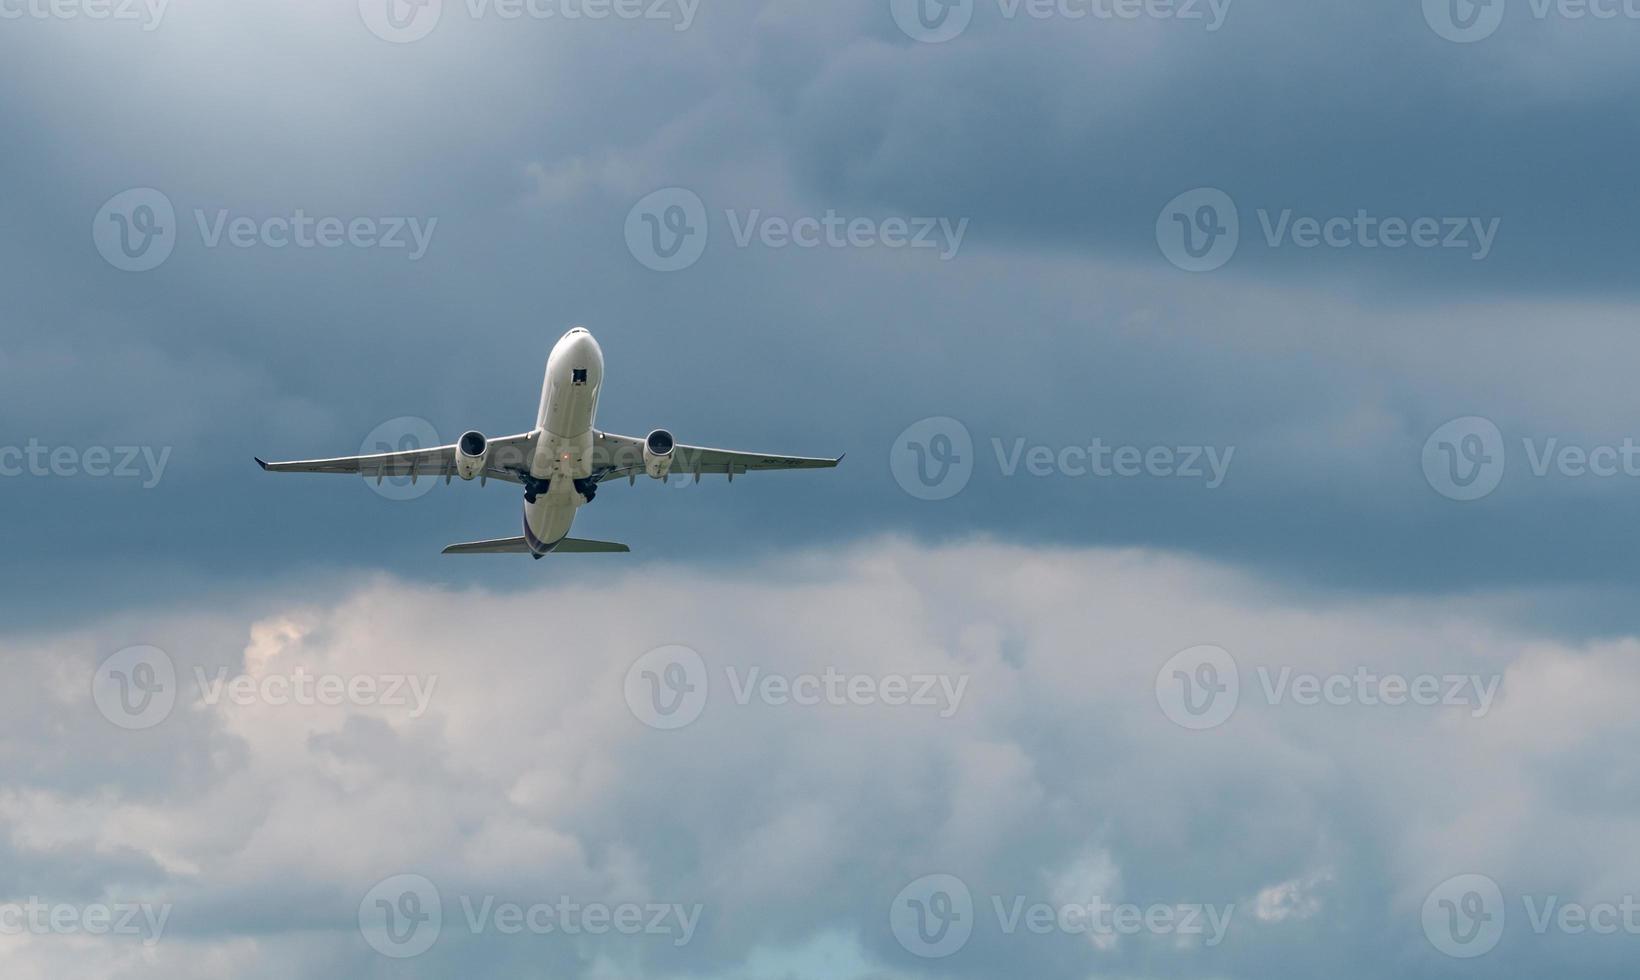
518,546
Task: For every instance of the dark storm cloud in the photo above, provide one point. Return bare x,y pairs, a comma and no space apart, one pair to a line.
522,145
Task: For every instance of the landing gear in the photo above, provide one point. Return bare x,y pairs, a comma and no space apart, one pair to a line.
534,487
587,488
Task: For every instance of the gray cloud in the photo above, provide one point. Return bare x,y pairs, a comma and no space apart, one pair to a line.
795,826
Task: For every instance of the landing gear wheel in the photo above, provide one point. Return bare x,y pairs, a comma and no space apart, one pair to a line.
587,488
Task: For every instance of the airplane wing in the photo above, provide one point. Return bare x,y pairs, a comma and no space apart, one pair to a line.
509,460
621,457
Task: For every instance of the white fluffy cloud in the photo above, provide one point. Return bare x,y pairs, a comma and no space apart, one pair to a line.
1055,776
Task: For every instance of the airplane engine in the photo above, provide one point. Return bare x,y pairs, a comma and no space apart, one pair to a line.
472,450
657,453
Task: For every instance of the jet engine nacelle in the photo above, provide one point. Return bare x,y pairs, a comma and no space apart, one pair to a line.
472,449
657,453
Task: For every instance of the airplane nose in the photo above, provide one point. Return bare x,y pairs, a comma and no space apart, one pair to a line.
587,348
578,353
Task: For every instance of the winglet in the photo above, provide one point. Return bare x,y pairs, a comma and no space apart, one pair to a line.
838,459
260,462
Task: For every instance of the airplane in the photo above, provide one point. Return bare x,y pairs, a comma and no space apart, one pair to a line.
560,463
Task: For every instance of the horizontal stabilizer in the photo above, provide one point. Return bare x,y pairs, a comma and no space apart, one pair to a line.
518,546
500,546
576,546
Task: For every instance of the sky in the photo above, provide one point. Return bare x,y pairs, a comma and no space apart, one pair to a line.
1235,524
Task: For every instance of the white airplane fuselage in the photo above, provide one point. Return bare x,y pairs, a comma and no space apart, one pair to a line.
563,453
